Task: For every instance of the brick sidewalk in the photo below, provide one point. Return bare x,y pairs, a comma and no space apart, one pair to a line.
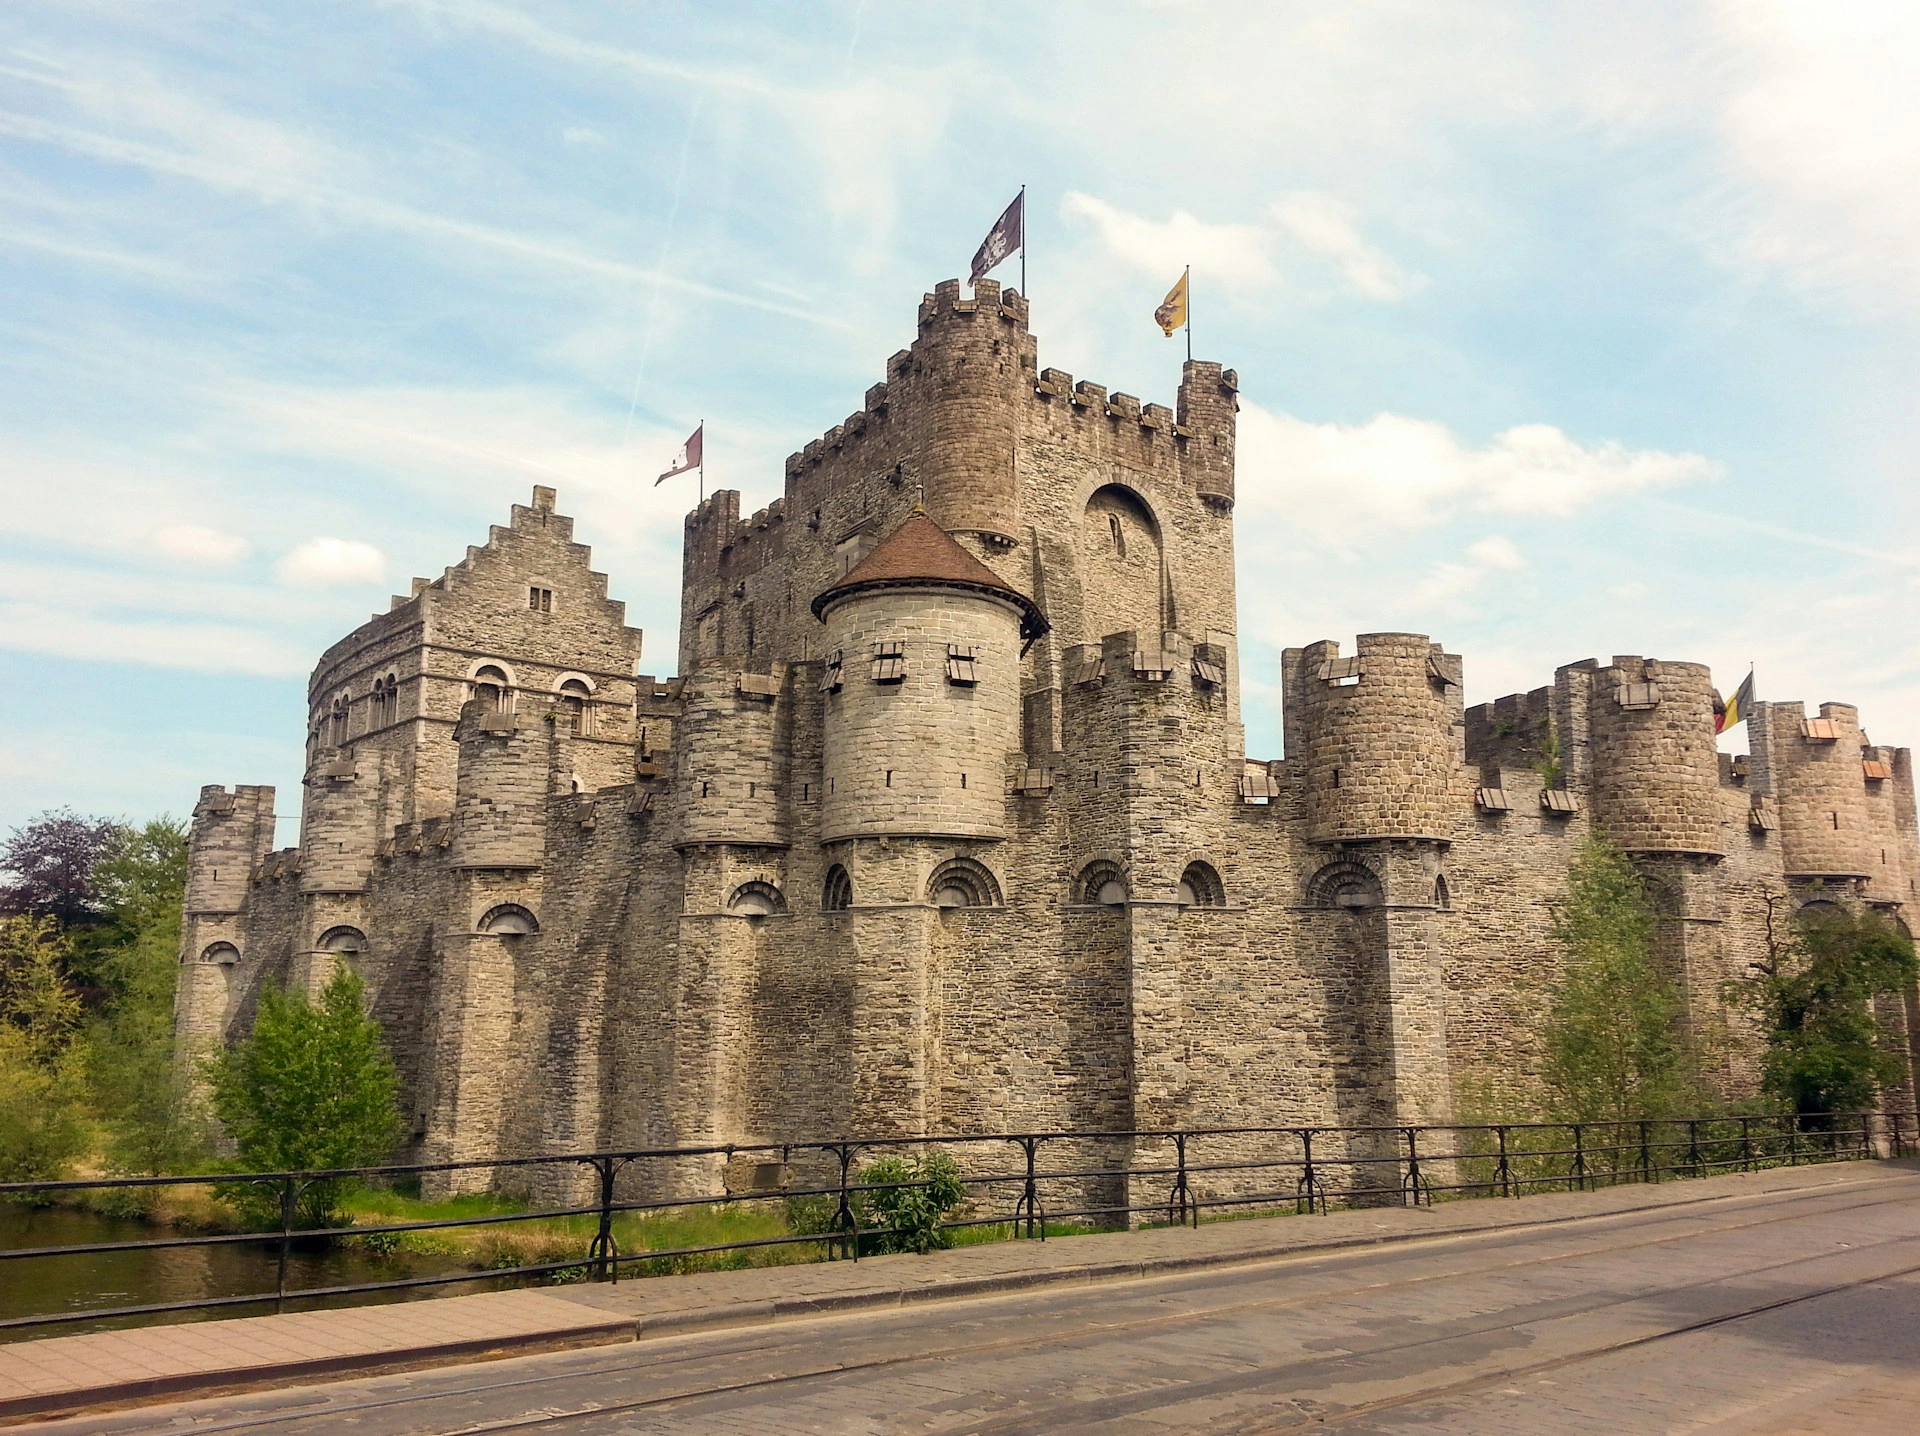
68,1373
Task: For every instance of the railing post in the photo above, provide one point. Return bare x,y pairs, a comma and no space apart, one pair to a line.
1579,1172
1746,1144
1693,1145
289,1195
1307,1191
1897,1147
604,1254
1179,1201
1503,1173
844,1220
1646,1155
1410,1188
1029,1203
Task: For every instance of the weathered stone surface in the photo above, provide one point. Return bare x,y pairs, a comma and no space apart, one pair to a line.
1007,878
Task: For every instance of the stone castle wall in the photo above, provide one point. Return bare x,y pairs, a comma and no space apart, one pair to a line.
774,898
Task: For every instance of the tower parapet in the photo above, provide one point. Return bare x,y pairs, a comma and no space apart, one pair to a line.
1209,400
340,820
731,751
231,833
1380,734
501,791
974,365
1653,766
1812,767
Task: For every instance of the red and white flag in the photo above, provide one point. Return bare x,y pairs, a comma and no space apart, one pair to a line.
687,458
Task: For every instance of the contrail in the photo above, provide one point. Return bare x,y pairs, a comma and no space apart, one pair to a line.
659,267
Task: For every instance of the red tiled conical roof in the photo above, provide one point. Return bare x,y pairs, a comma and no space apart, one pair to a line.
921,554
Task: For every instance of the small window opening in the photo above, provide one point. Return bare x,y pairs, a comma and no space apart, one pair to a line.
1119,533
960,665
540,600
889,662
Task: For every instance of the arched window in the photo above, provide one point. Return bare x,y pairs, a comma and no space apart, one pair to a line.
962,882
338,735
1345,884
576,699
756,899
1200,886
225,954
509,919
392,713
836,894
1442,898
1101,882
492,687
347,941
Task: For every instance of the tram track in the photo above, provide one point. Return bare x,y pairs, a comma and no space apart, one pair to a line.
1696,1226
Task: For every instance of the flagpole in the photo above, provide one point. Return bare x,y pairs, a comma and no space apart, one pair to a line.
1186,281
703,461
1023,241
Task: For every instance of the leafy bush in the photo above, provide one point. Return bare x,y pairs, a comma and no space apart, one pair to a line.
43,1125
904,1210
1826,1052
310,1087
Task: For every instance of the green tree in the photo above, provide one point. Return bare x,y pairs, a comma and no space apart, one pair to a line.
1613,1039
909,1201
43,1125
311,1087
1813,996
154,1122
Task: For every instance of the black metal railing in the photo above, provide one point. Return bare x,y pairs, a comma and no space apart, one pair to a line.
1025,1183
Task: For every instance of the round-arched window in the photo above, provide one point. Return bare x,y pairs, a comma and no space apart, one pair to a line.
1102,883
836,894
756,899
1345,884
509,919
223,953
575,698
490,686
962,882
344,940
1200,886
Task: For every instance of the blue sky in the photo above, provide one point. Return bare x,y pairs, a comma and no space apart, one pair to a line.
1563,330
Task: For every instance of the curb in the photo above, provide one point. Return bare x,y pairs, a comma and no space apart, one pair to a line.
610,1329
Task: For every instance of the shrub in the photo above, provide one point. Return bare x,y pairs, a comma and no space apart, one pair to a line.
43,1125
903,1212
310,1088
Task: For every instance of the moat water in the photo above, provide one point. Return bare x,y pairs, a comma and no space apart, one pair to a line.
46,1286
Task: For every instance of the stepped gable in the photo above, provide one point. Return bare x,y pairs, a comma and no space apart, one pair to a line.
921,554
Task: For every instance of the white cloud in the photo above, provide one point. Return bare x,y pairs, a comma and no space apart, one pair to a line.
331,562
582,135
1309,222
1232,253
1409,473
193,543
1449,582
1818,116
1324,225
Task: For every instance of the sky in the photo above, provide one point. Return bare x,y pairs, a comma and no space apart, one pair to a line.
1563,330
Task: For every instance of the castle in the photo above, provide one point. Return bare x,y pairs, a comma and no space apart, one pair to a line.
947,822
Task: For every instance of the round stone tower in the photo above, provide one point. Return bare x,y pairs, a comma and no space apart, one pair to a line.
922,688
500,794
1380,733
340,821
973,367
731,744
1655,771
1813,768
1209,400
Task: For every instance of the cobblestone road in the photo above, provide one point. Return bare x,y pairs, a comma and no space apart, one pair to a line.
1780,1313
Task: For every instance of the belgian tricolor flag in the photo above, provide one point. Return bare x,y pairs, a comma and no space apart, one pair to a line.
1734,709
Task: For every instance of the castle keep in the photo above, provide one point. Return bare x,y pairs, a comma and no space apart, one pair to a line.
947,823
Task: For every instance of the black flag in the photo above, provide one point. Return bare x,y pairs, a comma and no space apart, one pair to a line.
1007,235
